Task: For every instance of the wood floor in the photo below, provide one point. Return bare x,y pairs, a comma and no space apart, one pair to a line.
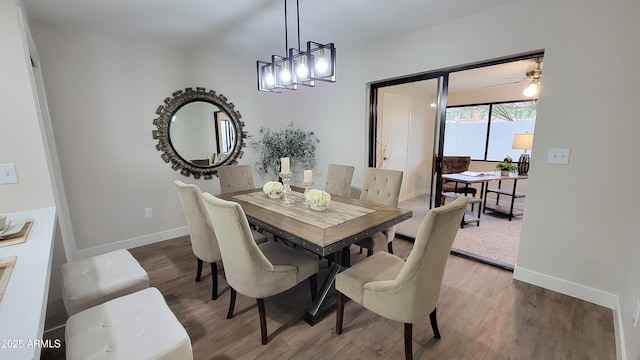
482,314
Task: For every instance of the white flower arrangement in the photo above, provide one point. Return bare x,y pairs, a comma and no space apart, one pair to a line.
272,188
318,197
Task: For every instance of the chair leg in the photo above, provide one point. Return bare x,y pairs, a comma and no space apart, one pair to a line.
339,311
313,283
390,247
199,271
214,279
232,303
434,323
369,252
263,321
408,351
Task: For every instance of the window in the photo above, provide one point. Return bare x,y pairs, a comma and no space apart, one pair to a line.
470,131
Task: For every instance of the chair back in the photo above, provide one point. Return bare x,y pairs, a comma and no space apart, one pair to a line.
339,179
203,238
381,186
235,178
419,282
247,269
455,164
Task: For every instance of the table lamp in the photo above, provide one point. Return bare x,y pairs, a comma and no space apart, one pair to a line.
524,142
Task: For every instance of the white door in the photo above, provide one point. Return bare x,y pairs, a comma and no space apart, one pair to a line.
393,137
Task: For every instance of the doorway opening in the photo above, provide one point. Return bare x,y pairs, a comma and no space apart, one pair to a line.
412,127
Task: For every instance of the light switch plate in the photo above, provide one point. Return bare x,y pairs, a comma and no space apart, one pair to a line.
8,174
559,156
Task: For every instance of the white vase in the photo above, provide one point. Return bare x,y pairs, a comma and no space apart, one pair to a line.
274,195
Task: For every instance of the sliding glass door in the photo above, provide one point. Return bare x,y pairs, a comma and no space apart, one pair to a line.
405,132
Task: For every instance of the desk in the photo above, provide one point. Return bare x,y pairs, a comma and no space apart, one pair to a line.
344,222
484,189
23,307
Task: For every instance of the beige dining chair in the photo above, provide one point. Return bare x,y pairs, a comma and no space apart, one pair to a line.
203,239
405,291
339,179
252,270
381,186
235,178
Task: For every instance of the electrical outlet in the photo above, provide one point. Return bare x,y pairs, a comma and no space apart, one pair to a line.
636,314
558,156
148,213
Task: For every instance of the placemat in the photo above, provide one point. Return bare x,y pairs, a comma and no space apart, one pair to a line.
18,237
336,213
6,267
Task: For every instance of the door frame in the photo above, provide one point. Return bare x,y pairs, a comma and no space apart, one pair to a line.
442,103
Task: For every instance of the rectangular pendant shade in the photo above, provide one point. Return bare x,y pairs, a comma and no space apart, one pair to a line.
324,61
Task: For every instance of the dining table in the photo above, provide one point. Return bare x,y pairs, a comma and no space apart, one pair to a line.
327,233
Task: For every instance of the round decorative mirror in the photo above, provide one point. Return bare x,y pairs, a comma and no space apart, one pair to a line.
197,131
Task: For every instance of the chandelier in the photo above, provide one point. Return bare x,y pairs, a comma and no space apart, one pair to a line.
298,66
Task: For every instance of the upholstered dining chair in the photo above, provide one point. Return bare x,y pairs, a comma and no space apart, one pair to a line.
339,180
405,291
252,270
203,239
235,178
381,186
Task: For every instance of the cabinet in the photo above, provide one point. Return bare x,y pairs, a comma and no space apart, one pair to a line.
512,193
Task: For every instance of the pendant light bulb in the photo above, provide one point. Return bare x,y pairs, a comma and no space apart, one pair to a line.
269,80
285,76
321,63
302,71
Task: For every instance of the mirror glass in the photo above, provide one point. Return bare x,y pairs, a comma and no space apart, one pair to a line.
202,134
197,131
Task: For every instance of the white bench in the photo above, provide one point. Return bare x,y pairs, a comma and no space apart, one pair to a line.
136,326
93,281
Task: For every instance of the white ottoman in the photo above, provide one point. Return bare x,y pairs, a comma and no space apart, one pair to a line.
135,326
93,281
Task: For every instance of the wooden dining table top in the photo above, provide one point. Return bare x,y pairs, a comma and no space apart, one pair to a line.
343,222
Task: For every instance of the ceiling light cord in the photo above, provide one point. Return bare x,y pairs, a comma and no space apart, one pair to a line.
286,33
298,18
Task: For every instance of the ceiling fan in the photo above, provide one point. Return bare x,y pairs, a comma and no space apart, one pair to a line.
533,76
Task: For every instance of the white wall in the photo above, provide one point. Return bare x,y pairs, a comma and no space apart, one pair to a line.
21,141
575,237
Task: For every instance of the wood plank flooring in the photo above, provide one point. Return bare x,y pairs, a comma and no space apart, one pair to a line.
482,314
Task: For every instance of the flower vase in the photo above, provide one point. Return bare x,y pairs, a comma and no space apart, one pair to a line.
318,207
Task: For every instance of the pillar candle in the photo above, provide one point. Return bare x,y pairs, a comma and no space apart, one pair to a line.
284,165
308,176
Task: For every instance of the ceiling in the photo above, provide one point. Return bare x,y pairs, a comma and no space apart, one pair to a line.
252,28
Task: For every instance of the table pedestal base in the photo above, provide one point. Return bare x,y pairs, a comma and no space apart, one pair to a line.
325,302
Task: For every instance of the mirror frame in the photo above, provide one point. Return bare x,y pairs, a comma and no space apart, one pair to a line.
166,112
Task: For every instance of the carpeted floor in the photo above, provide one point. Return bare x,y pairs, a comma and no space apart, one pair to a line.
496,239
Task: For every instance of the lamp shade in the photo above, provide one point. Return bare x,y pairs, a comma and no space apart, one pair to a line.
522,141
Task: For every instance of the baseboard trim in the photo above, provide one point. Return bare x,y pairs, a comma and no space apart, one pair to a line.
581,292
132,243
619,332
